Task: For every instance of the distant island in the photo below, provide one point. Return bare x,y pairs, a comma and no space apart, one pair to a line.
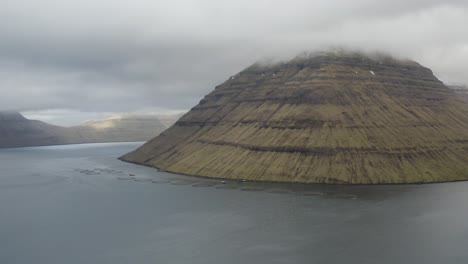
18,131
331,117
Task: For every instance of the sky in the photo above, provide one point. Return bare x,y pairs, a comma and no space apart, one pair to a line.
68,61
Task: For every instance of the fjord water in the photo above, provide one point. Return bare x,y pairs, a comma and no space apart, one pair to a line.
79,204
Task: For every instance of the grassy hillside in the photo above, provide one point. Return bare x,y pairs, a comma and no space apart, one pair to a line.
330,118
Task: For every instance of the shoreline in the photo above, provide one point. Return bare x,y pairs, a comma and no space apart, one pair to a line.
288,182
69,144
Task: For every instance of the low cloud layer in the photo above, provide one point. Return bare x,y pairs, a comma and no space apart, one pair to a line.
127,56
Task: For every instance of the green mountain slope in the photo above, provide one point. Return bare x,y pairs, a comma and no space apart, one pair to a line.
328,118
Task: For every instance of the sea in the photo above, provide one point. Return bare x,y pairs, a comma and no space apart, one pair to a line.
80,204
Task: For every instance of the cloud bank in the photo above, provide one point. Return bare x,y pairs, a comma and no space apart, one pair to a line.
105,56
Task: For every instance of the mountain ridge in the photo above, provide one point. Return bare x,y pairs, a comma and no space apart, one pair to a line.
18,131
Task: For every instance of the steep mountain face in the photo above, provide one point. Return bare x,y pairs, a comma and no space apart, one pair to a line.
18,131
329,118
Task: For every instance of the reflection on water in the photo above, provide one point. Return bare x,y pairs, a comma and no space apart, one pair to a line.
79,204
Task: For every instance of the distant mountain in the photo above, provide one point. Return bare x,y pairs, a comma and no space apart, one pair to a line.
121,128
461,90
18,131
11,116
341,118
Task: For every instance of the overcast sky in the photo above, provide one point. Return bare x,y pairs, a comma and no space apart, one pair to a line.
66,61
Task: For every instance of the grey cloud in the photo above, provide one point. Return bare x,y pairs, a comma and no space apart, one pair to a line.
122,55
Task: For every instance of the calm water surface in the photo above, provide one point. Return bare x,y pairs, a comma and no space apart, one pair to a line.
79,204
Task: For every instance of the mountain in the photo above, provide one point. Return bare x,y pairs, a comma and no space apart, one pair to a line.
325,118
18,131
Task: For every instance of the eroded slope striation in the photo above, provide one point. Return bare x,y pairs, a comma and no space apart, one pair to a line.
329,118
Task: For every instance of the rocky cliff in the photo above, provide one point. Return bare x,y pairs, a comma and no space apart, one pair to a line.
326,118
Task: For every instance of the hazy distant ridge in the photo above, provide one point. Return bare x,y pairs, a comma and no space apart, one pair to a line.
461,90
18,131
